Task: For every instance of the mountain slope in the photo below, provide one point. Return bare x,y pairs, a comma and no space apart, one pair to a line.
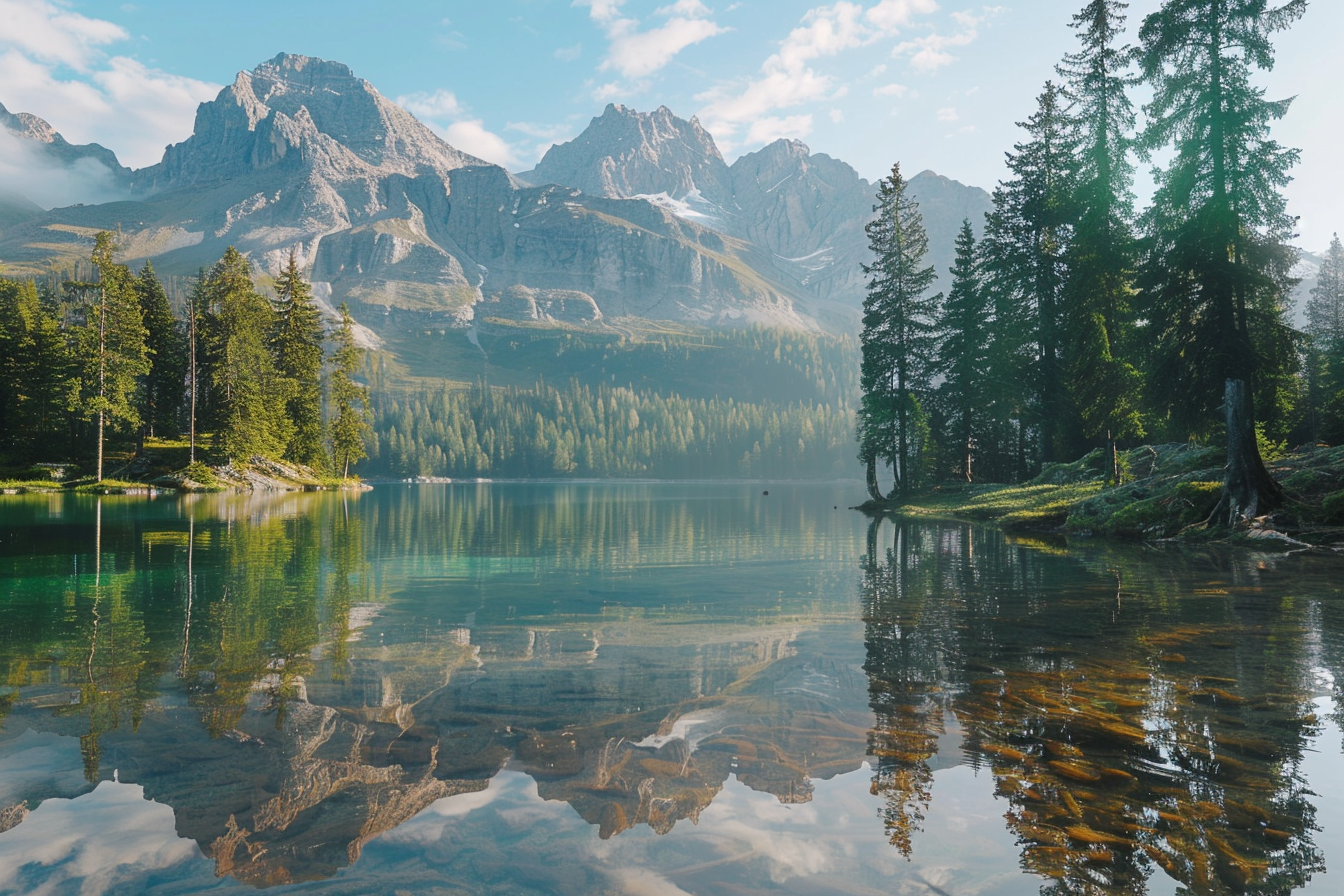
301,156
805,211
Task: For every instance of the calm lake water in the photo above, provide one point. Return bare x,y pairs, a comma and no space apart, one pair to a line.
651,690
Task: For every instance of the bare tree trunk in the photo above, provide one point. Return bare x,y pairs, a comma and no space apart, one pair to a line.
874,491
1248,490
970,443
1112,459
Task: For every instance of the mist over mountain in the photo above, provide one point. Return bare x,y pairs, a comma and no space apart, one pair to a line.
40,169
639,216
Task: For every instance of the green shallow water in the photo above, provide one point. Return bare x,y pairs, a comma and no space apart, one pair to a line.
651,689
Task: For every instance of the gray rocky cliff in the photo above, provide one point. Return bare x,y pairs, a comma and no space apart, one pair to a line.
623,153
637,217
803,212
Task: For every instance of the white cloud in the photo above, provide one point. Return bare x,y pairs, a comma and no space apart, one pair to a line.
439,104
442,111
97,843
896,90
117,101
890,15
470,136
569,54
948,114
788,78
601,10
929,53
51,34
635,53
684,8
837,116
770,129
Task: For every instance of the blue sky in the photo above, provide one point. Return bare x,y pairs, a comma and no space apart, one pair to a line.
932,83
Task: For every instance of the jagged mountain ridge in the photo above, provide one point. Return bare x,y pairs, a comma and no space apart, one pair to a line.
807,210
647,220
299,155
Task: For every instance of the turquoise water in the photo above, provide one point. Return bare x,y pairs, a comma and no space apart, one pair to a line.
651,689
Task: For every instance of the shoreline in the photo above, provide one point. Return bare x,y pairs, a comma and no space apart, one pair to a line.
1169,504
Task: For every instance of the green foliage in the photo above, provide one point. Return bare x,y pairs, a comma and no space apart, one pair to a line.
1217,261
247,395
964,354
111,347
297,344
606,432
349,399
162,393
36,373
1097,318
1026,241
899,337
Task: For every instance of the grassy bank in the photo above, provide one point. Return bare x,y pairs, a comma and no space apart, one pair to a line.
1169,492
165,466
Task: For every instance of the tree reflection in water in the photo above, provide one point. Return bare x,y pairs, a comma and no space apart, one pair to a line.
1129,724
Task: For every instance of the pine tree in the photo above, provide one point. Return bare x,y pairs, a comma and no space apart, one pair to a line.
1325,346
247,393
1103,383
1026,240
161,397
35,372
1218,261
297,344
349,399
963,350
898,337
111,345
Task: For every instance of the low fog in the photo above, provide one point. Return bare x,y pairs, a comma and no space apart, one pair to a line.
28,171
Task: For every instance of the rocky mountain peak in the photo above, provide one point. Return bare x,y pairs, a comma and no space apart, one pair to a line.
30,127
300,110
625,153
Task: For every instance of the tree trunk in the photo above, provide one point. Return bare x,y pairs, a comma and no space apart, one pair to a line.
970,443
1248,490
1112,460
873,491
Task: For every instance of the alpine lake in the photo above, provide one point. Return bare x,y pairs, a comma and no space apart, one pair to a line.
652,689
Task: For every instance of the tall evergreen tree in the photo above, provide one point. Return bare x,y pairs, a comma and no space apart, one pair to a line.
248,395
349,399
35,372
964,349
111,344
1218,263
898,338
1026,240
1100,259
297,343
1325,346
161,399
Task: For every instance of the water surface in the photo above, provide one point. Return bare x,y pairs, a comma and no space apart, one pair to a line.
651,689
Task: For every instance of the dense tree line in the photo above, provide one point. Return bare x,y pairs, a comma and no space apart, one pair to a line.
1078,322
603,431
106,358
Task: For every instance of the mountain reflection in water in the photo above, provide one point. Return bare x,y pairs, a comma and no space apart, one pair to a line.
295,677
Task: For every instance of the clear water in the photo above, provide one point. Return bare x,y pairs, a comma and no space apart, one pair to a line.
652,690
